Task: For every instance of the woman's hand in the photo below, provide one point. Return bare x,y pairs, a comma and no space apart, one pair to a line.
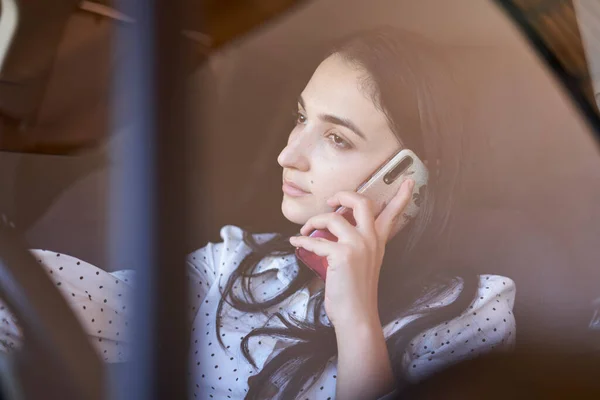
355,259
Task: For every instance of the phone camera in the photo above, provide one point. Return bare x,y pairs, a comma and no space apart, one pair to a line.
398,170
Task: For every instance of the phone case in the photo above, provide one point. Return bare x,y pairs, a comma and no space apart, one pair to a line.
380,187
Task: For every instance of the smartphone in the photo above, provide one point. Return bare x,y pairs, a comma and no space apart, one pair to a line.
380,187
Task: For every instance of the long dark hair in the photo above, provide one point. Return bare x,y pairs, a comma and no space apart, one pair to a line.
402,74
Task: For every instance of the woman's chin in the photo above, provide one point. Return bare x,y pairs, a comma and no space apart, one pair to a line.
294,213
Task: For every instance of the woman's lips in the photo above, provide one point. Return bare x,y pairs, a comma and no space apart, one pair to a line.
292,190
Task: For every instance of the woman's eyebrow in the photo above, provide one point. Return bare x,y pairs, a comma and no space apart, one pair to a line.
342,122
336,120
301,101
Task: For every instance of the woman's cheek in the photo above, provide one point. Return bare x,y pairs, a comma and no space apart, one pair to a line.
331,188
345,174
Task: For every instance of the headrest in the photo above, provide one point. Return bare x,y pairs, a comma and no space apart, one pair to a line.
56,72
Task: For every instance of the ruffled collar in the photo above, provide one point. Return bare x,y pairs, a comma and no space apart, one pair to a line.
286,269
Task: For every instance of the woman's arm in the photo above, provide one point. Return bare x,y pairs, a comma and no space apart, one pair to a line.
99,300
351,304
364,367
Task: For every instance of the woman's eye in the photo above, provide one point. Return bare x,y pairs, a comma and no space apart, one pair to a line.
300,118
338,141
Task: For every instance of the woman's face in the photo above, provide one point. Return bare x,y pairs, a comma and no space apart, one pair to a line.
339,139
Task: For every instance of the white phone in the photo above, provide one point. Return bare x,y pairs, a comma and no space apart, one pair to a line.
380,187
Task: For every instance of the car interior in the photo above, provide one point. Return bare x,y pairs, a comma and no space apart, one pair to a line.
528,203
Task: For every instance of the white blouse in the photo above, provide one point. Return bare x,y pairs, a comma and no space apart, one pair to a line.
100,300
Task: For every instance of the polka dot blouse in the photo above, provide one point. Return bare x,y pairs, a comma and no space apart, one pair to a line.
101,302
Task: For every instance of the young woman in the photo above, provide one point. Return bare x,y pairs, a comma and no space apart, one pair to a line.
264,325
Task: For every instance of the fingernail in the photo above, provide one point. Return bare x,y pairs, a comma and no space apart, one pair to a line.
411,184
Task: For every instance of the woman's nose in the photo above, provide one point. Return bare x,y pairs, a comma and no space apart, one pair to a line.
294,154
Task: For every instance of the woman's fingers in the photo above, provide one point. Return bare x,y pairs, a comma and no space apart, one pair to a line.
389,217
334,223
361,207
319,246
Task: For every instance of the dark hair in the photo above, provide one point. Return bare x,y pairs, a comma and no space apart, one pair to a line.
402,76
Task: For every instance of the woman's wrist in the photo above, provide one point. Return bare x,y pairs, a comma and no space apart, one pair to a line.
373,376
361,314
364,325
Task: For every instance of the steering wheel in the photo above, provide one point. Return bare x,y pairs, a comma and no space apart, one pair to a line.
57,359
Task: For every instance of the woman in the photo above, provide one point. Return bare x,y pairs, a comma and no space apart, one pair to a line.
263,325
